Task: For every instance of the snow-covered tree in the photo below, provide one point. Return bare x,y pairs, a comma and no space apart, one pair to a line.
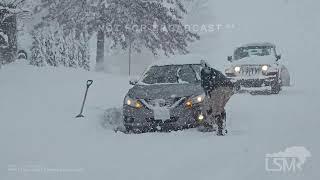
58,48
83,52
155,25
8,28
37,57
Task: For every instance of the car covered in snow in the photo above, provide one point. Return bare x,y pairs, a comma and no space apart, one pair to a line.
168,96
257,65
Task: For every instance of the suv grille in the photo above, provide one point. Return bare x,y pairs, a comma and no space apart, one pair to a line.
250,70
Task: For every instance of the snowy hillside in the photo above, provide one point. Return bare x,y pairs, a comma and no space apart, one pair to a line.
41,138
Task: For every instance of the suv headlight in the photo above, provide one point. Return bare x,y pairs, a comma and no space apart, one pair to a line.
195,100
265,68
237,69
133,102
233,71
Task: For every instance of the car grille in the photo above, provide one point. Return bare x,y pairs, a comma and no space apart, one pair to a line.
162,102
159,121
250,70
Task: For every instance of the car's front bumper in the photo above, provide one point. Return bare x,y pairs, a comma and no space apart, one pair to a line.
180,117
259,81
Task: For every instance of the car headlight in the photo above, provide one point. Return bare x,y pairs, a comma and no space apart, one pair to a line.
265,68
237,69
133,102
195,100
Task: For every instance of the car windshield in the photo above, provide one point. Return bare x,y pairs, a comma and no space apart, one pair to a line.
172,74
249,51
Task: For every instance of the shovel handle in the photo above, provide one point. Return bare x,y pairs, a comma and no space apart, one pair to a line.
89,83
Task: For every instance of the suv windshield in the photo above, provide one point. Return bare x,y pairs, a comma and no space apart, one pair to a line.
248,51
172,74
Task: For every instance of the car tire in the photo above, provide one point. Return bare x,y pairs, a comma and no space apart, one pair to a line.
205,127
236,88
276,88
128,128
285,77
221,124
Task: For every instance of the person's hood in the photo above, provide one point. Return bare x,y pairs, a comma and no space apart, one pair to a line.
164,91
256,60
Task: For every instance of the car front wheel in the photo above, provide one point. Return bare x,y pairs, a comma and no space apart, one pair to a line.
135,130
276,88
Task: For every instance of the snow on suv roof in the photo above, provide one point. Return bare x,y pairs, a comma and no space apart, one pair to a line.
258,44
179,60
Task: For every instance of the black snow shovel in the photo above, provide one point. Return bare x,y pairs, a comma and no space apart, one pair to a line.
89,83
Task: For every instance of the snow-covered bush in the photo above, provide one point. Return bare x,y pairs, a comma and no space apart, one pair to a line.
37,56
54,47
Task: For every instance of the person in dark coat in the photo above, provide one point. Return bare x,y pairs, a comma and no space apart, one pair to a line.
218,90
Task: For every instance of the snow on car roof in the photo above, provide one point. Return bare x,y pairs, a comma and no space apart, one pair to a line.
179,60
258,44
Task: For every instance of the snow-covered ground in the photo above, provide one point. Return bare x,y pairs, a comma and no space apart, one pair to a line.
38,130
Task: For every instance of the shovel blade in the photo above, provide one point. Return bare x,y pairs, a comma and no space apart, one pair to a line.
80,116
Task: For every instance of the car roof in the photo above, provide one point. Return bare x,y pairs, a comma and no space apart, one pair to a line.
179,60
258,44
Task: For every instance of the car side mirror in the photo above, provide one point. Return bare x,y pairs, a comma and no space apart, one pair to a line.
278,57
133,81
230,58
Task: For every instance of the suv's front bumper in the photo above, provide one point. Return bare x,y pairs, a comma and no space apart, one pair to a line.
260,81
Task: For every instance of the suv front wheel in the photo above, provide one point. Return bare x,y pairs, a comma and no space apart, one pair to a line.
276,87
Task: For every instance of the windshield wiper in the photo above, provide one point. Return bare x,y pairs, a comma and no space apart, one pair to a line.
177,75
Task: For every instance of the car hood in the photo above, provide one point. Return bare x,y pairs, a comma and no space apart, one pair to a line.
164,91
255,60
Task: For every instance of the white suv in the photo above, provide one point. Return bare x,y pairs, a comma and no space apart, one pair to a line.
258,65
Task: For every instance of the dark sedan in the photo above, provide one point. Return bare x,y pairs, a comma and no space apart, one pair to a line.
168,96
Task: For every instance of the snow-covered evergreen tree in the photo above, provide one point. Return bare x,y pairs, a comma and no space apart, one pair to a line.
50,48
61,48
58,48
83,52
37,57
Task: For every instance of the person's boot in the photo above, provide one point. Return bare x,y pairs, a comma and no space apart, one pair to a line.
220,124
